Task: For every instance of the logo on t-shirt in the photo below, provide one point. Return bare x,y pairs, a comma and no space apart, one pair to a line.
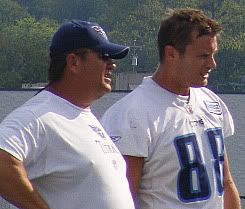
115,138
197,122
213,107
98,131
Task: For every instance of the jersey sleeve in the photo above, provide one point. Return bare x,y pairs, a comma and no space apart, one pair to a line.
21,136
228,124
128,130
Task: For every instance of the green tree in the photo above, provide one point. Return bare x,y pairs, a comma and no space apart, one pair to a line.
140,23
11,11
229,12
10,80
231,60
23,43
61,10
181,3
24,50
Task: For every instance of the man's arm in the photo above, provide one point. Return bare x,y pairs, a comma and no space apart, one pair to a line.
15,186
134,172
231,195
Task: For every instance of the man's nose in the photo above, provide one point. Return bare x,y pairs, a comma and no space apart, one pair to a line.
211,63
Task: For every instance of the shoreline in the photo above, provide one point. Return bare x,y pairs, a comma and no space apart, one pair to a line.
115,91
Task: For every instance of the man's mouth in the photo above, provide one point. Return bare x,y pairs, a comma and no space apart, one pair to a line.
108,77
206,74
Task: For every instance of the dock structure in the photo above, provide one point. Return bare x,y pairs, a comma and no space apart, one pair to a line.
33,85
127,81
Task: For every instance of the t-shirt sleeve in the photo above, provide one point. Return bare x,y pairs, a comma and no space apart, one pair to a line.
128,130
20,135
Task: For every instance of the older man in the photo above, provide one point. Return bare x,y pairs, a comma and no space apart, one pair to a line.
54,153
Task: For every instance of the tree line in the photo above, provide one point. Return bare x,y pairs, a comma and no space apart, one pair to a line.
26,28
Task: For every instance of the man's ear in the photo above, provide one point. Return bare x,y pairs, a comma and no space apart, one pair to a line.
71,60
73,64
170,52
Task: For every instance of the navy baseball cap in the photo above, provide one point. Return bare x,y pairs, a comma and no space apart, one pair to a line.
81,34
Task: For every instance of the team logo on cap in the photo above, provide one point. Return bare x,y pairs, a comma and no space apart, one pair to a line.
99,30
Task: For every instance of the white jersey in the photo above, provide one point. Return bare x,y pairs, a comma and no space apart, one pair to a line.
68,156
181,143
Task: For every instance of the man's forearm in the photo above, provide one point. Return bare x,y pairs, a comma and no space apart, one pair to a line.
231,196
25,199
15,186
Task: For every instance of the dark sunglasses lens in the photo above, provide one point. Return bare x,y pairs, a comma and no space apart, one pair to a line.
104,57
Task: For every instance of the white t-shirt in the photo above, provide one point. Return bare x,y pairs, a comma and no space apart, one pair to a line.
67,154
181,142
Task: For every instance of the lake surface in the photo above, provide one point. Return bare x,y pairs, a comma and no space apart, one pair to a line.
9,100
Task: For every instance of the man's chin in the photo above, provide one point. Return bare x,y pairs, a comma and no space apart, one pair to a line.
107,88
203,83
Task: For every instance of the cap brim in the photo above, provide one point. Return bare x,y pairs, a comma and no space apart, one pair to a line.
114,51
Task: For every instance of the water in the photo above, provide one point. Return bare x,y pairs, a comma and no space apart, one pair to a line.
9,100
